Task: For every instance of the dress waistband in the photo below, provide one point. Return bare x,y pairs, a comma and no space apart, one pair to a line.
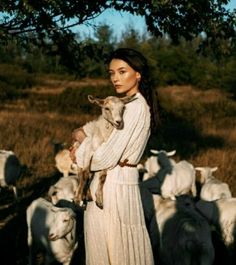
126,164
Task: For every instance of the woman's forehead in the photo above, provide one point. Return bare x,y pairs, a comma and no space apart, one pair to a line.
116,64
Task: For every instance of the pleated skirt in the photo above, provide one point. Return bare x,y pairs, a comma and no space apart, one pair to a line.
116,234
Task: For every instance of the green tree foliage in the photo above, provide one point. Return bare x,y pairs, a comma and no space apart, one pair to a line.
53,19
180,64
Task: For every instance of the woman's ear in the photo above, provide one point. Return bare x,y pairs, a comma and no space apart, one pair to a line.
138,76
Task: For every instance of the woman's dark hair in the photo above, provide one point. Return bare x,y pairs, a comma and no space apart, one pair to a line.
139,63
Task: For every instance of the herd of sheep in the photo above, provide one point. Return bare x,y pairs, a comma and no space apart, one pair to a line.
180,220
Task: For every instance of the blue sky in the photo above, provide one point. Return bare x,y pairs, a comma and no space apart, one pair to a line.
120,21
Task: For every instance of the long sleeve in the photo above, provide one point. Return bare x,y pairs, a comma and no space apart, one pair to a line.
136,119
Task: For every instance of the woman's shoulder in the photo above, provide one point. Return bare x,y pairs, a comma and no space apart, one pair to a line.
138,106
139,101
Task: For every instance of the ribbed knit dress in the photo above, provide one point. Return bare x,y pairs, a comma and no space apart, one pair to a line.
116,234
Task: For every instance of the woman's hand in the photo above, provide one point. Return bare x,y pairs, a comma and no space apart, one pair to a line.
78,135
72,150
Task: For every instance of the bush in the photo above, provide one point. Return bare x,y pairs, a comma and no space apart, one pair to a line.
76,100
15,76
70,101
7,92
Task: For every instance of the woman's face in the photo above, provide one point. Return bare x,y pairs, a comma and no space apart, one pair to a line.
123,77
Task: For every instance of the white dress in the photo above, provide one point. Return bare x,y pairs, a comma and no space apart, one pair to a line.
117,235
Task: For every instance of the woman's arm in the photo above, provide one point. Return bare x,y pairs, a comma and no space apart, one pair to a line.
110,152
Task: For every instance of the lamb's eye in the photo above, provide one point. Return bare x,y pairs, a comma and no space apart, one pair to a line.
107,109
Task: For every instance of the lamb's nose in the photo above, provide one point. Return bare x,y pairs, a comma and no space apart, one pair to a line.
119,124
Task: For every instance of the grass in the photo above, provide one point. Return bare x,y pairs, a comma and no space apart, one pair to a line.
200,125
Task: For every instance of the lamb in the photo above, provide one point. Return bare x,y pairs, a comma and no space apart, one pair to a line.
98,131
222,214
64,189
179,234
63,161
151,165
212,188
51,230
10,170
174,178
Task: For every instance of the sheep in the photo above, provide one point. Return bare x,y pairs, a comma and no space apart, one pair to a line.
64,188
10,170
179,234
172,178
63,161
151,165
212,188
98,131
222,214
51,230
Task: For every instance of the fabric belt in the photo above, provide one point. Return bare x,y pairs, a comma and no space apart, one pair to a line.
126,164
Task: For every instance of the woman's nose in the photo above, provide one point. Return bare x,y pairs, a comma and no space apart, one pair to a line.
115,78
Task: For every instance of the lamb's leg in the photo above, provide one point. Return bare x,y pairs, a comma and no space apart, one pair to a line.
79,196
194,189
99,191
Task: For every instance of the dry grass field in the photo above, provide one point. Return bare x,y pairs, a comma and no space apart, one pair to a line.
200,125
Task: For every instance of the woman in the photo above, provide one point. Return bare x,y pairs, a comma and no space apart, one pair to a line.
117,234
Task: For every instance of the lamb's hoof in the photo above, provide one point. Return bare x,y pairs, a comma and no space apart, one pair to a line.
99,204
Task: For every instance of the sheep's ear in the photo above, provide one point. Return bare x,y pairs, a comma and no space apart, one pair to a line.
199,168
153,151
213,169
94,100
128,99
171,153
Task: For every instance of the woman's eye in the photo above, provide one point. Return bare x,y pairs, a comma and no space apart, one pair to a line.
122,72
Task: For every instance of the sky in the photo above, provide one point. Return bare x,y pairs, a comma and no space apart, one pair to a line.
120,21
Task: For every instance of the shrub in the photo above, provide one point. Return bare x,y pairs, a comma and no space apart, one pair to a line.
15,76
76,100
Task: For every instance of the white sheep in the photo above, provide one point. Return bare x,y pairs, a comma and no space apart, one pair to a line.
151,165
10,169
63,162
179,234
175,178
222,214
98,131
51,230
64,189
212,189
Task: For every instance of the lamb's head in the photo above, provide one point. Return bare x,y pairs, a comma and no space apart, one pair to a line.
112,108
206,173
163,157
62,223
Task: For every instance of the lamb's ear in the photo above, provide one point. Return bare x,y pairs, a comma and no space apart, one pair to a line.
128,99
213,169
171,153
153,151
95,100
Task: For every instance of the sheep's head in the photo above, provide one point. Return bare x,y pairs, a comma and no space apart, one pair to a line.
206,173
112,108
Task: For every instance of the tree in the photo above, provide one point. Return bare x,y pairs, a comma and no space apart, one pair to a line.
49,23
176,17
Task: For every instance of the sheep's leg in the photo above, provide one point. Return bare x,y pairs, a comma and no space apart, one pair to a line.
99,191
83,176
194,189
